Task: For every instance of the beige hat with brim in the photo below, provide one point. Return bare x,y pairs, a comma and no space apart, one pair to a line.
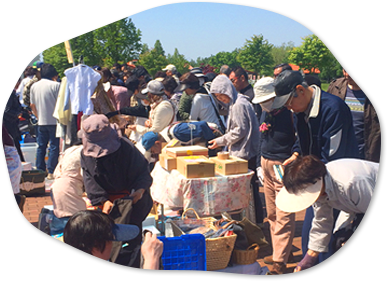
292,203
263,90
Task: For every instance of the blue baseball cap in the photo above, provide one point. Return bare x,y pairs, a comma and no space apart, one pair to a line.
149,139
125,232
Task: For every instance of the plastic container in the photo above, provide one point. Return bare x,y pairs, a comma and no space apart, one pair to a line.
186,252
29,152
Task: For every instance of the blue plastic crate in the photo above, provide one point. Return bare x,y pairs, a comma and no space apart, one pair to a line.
186,252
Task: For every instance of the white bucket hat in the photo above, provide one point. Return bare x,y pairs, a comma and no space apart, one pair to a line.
263,90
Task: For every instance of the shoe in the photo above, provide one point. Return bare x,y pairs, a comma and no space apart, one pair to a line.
268,260
278,268
50,176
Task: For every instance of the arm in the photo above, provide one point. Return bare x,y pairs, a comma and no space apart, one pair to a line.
195,109
185,106
162,117
320,234
34,110
95,192
138,175
239,126
338,137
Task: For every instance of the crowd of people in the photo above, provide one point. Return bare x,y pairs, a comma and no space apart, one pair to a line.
112,122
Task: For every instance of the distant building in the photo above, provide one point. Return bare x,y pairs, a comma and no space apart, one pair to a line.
313,71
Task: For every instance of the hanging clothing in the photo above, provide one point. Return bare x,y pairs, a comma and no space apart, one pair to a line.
81,81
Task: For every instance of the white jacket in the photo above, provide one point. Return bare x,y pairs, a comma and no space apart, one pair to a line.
163,115
349,186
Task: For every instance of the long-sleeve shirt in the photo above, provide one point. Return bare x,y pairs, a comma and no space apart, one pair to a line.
349,186
280,141
203,109
242,136
123,170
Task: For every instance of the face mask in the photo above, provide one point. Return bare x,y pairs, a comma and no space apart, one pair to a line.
266,106
144,103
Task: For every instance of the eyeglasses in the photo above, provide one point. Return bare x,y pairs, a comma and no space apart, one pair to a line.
293,95
234,79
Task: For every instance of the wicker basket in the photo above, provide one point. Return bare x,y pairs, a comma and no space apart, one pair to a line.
247,256
219,251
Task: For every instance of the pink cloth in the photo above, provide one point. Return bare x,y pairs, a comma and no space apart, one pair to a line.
208,196
121,97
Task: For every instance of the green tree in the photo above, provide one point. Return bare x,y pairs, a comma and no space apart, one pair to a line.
281,53
179,61
154,60
256,55
311,54
116,42
222,58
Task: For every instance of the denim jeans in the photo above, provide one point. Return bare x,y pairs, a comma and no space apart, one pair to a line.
46,134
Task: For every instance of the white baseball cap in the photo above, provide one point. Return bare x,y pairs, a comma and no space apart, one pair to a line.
263,90
170,67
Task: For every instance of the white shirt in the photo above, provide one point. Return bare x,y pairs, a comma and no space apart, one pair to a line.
82,81
203,110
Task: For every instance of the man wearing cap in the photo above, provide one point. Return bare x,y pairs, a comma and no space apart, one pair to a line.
344,184
324,126
324,121
171,70
113,168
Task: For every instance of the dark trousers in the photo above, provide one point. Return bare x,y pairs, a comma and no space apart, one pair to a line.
257,200
47,134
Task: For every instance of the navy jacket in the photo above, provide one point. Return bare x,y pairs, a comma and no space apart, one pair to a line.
327,132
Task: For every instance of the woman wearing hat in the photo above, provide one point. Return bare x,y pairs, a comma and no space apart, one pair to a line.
345,184
112,169
279,146
162,111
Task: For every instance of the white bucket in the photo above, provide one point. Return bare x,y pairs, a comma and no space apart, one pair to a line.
29,152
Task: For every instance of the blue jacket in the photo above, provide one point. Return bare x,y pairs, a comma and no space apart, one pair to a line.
327,131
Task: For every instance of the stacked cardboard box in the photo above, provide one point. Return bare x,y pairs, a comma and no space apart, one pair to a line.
190,161
230,166
195,166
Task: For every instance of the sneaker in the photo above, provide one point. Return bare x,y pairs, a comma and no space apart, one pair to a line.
50,176
278,268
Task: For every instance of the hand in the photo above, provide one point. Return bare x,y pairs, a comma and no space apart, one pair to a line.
151,250
260,175
290,159
137,195
132,127
148,123
107,206
212,144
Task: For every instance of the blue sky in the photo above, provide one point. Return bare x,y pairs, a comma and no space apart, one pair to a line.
204,29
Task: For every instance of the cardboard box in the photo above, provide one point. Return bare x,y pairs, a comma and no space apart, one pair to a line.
230,166
196,167
189,150
167,162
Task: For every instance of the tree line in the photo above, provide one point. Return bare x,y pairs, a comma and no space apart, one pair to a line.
120,42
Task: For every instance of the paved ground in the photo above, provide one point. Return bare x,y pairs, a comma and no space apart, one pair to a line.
34,205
